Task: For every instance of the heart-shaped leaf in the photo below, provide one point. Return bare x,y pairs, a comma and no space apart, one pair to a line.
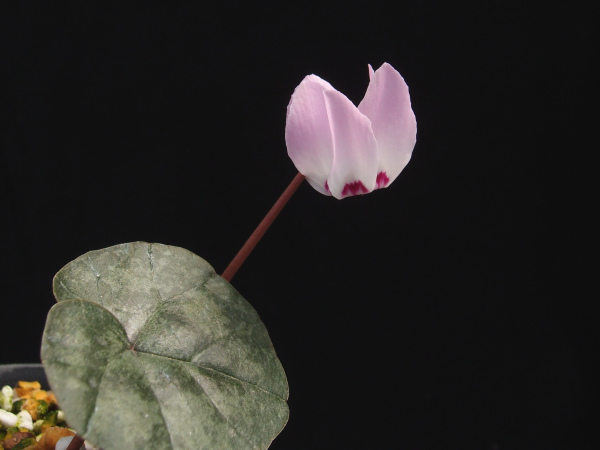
148,348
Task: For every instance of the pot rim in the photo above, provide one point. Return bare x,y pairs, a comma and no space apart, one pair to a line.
10,374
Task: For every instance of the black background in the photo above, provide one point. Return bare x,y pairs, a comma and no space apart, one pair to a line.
452,310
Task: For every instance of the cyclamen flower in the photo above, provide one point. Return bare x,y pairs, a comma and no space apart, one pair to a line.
343,150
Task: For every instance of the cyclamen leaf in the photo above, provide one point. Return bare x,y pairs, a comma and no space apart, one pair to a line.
148,348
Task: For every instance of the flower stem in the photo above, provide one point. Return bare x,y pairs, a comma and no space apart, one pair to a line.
263,226
76,443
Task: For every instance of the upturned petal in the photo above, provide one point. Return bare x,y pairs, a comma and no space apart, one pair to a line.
307,132
387,105
355,162
371,72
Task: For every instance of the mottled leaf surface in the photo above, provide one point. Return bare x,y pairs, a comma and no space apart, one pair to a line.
148,348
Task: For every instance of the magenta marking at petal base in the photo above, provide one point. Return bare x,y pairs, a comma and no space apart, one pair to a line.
327,187
354,188
382,180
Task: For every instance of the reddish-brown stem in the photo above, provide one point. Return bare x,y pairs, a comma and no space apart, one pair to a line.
76,443
239,259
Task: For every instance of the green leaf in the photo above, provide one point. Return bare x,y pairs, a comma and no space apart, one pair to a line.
148,348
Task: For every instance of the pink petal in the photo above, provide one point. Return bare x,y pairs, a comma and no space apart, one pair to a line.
307,132
355,159
387,105
371,72
323,189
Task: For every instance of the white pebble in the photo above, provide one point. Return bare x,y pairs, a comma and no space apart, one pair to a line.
6,398
7,419
24,420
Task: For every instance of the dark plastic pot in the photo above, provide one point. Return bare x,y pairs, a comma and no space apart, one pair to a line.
11,373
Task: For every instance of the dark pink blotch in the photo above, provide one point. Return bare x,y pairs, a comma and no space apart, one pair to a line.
354,188
382,180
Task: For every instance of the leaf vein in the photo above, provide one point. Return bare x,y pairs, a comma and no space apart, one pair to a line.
215,371
163,302
112,358
221,413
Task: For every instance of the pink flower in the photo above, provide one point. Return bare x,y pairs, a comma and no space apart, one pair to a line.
344,150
